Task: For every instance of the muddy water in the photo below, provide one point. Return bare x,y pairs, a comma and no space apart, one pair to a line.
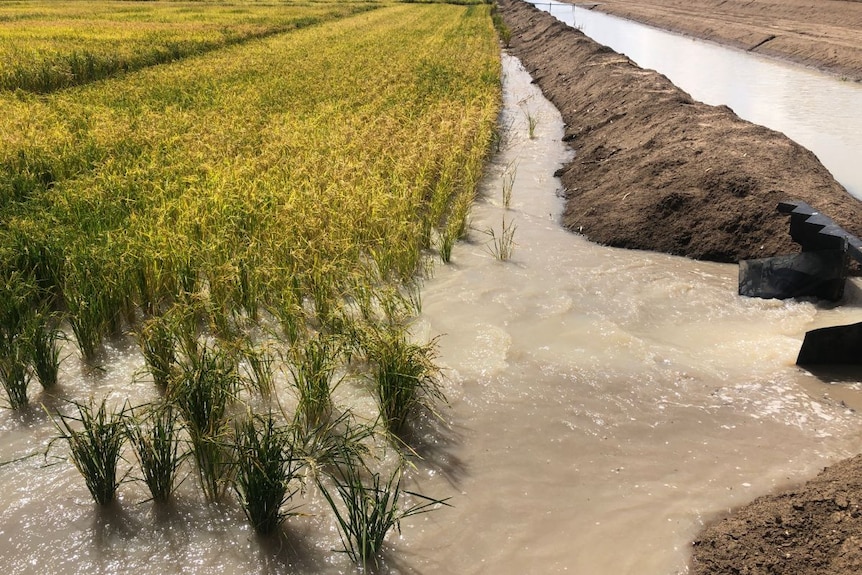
604,403
819,111
607,402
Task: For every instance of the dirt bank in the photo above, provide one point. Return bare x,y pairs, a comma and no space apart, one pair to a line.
815,529
824,34
656,170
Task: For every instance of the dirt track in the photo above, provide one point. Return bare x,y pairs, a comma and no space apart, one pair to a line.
824,34
655,170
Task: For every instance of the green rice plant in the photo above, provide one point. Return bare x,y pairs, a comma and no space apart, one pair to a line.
266,465
532,122
503,30
155,438
502,246
159,347
44,349
203,390
336,442
215,463
447,242
96,447
369,509
404,376
257,365
312,364
14,372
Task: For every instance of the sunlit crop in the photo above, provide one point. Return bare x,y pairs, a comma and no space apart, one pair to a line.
252,210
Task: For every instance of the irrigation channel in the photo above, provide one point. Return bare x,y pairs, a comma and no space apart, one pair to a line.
603,404
817,110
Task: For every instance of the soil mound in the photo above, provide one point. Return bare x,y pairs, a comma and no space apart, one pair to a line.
815,529
655,170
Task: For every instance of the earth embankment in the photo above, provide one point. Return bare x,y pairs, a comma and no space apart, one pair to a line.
656,170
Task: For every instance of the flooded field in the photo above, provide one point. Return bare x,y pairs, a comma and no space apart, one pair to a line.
603,405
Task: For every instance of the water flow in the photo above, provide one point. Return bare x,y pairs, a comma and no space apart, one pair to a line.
819,111
607,402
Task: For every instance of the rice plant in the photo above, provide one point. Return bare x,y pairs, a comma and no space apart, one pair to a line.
266,465
312,364
334,443
205,387
96,447
509,174
15,375
258,368
158,345
502,246
156,442
45,350
404,376
369,509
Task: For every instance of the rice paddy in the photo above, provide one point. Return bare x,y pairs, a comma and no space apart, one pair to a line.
253,192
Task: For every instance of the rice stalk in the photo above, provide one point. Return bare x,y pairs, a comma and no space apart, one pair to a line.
312,365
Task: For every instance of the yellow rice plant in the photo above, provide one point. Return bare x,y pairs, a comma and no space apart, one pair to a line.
45,46
280,173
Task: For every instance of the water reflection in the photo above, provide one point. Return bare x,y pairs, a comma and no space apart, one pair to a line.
819,111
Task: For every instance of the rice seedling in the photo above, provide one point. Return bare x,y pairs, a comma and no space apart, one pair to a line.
205,387
369,509
155,438
215,463
532,122
258,367
509,174
502,246
312,364
95,448
336,442
266,465
404,376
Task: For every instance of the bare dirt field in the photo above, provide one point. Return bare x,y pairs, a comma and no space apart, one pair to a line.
655,170
825,34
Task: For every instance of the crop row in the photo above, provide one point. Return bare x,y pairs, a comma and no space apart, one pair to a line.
47,46
256,214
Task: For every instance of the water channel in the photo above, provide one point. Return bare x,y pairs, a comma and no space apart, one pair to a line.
817,110
603,404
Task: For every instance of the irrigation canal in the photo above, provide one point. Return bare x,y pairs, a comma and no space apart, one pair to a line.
604,404
608,402
817,110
